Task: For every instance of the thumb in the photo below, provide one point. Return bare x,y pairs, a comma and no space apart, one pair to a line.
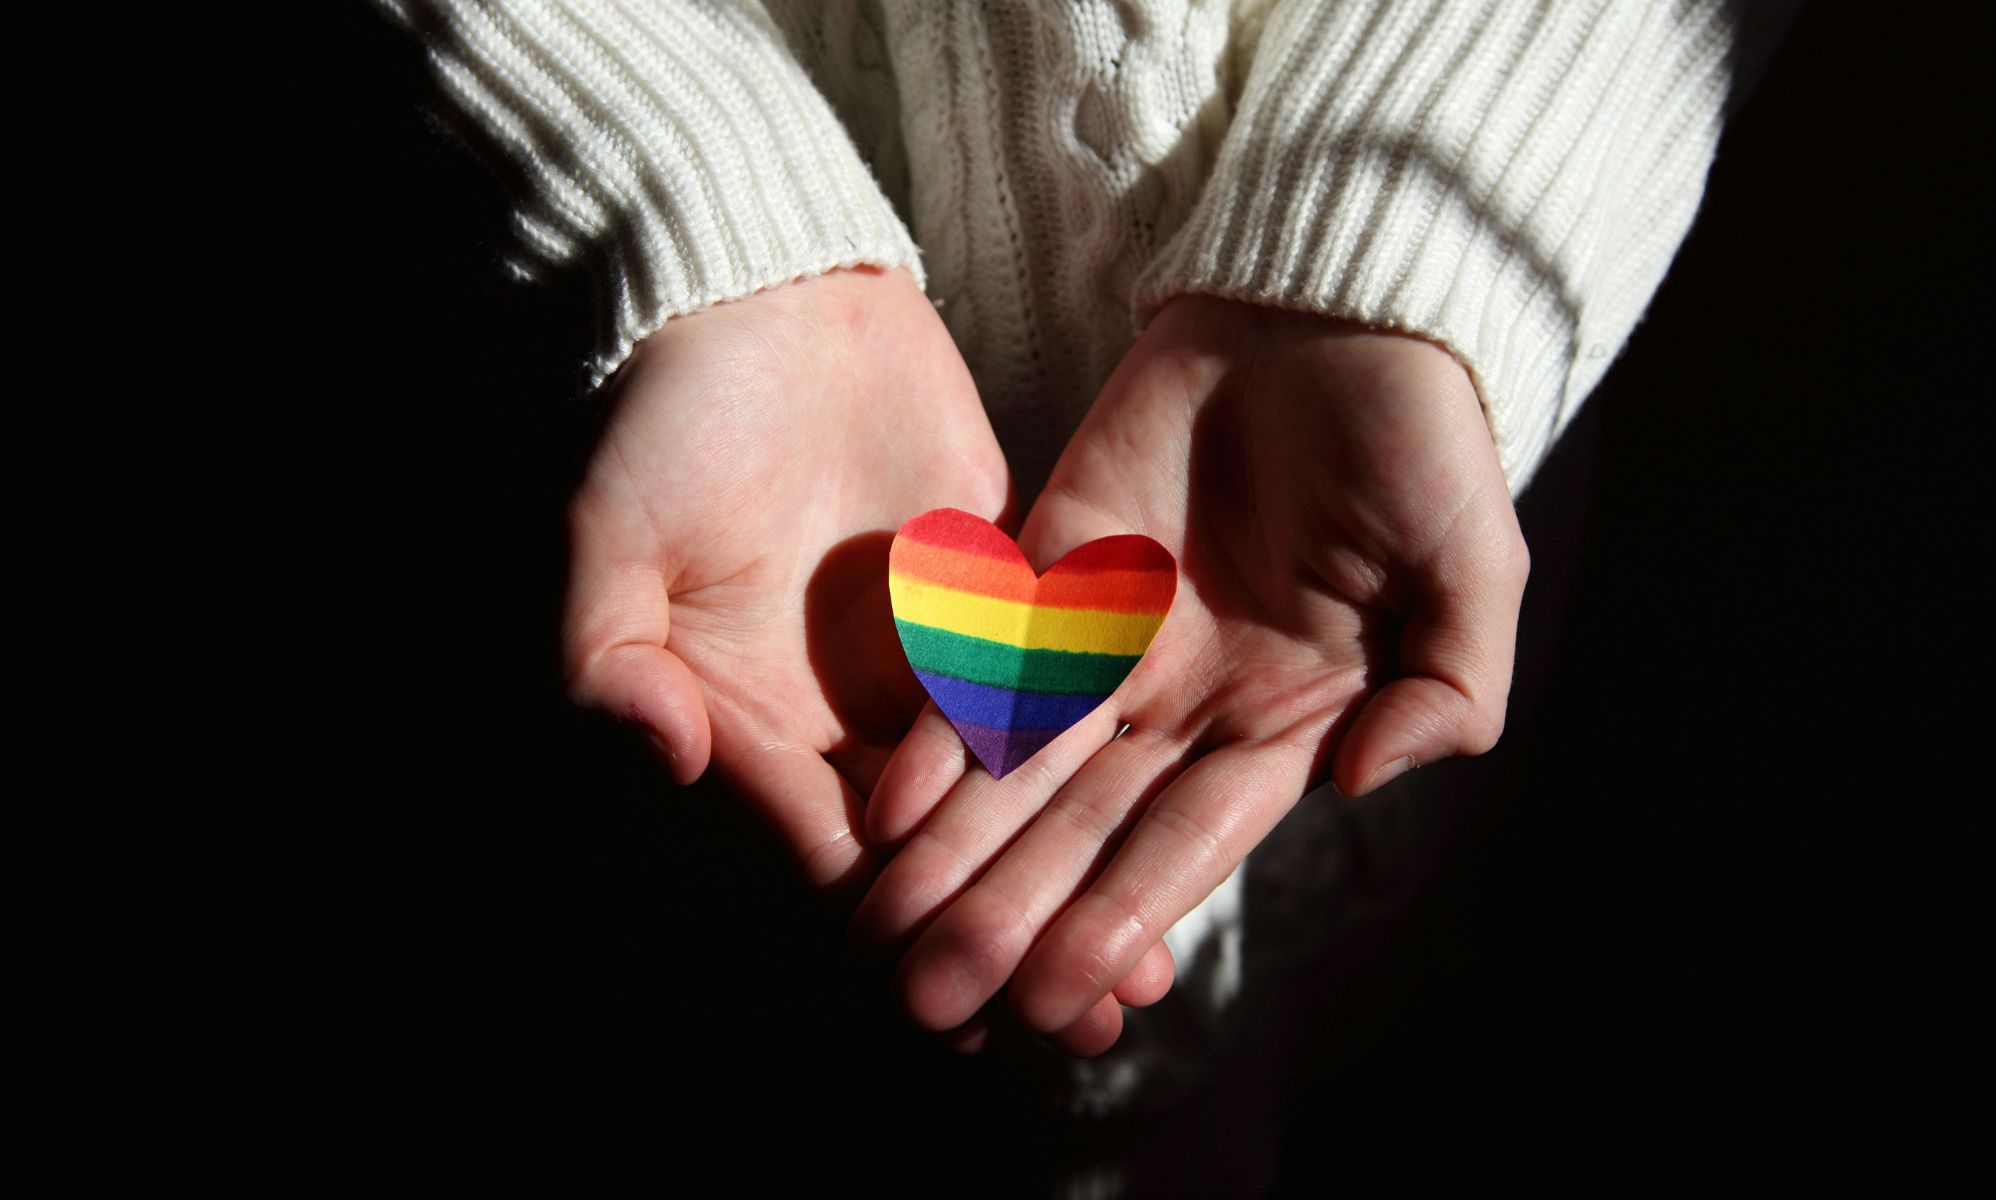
614,652
1456,655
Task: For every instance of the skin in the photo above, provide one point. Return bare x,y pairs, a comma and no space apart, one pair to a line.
728,590
1351,574
1351,571
747,443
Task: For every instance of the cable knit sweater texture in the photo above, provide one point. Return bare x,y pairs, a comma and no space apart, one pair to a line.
1507,179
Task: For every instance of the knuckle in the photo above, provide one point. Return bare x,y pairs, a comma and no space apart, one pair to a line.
1199,838
1089,819
827,862
990,938
929,869
1101,953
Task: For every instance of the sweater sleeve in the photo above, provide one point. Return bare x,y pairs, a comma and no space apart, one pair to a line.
1510,180
676,150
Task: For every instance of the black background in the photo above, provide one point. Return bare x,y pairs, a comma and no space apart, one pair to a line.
1704,915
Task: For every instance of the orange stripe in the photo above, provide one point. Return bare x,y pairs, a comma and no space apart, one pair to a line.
962,570
1103,591
1110,591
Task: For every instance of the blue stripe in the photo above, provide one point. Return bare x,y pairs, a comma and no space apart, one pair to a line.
1003,708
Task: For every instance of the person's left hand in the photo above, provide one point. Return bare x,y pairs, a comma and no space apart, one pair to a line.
1351,574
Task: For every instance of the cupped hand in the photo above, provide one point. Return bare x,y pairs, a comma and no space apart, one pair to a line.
1351,574
729,581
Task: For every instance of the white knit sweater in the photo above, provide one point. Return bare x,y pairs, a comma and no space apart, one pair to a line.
1507,179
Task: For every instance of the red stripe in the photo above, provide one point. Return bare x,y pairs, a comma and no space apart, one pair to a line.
953,529
1124,552
1128,573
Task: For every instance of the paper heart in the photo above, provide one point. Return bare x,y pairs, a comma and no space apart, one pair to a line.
1011,658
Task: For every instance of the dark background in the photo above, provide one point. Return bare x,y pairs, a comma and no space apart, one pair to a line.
1702,905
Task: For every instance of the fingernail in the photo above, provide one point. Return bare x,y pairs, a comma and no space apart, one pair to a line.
1388,771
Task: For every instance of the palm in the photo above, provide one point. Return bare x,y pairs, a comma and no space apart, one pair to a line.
1312,495
1351,568
731,533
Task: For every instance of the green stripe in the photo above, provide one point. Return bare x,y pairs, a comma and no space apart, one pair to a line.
995,664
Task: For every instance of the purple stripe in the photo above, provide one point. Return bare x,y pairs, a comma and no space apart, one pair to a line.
1005,708
1000,750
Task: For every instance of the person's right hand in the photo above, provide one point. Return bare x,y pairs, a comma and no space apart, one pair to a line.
729,581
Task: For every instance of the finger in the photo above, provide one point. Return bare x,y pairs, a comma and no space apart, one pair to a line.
862,765
1150,979
614,636
1456,655
812,808
1093,1033
967,830
970,1037
1057,523
651,686
930,761
1186,844
975,944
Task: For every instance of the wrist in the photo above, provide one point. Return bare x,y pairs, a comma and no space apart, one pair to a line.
1349,358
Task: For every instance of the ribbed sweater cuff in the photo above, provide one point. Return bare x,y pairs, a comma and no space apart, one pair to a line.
1506,179
676,150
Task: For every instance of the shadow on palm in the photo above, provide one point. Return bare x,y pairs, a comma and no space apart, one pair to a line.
1283,636
856,656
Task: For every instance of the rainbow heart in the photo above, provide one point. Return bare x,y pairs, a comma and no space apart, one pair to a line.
1011,658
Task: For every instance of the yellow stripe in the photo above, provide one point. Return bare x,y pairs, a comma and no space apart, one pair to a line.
1085,630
